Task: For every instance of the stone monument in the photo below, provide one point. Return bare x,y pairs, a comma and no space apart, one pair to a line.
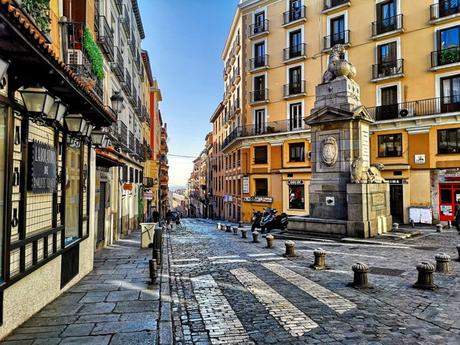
348,196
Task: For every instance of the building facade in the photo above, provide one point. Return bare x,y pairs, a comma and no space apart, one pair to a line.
407,62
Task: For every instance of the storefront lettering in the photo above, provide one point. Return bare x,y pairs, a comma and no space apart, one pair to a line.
42,168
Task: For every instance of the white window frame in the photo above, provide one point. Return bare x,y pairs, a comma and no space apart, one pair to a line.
390,40
288,110
296,28
333,16
378,94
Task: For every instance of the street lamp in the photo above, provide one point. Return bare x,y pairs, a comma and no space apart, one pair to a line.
98,138
38,102
117,102
89,130
3,68
57,112
76,124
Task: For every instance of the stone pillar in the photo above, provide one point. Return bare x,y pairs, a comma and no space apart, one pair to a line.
290,248
320,259
425,276
218,226
235,230
244,233
228,228
458,250
438,227
443,263
395,226
270,239
255,237
360,275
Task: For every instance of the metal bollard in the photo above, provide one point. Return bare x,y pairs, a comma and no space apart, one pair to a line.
290,248
270,239
360,280
425,276
244,233
228,228
255,237
458,250
235,230
395,227
218,226
157,244
438,227
153,271
320,259
443,263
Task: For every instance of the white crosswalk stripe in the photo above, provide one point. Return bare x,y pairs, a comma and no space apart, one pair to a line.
220,319
329,298
293,320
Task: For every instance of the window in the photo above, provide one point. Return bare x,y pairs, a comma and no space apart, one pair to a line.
449,140
450,94
390,145
297,152
72,193
259,54
337,29
295,44
388,108
259,121
260,155
448,7
261,186
296,195
295,116
295,8
448,45
259,88
386,58
386,16
259,22
295,80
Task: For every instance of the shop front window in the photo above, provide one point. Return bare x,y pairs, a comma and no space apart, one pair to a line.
296,196
72,193
297,152
390,145
3,112
449,141
261,186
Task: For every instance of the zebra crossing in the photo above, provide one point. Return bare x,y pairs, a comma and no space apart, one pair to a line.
221,320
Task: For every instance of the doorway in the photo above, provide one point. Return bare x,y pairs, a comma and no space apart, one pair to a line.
101,213
396,203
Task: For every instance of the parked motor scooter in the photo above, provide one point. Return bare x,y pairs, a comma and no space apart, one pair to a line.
270,220
256,218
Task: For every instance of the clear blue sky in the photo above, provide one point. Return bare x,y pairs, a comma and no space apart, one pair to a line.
185,39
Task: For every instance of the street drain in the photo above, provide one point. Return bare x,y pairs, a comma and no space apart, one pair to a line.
385,271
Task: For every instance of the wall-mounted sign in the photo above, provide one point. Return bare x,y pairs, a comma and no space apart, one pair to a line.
264,199
42,168
128,186
330,201
295,182
420,159
148,194
245,184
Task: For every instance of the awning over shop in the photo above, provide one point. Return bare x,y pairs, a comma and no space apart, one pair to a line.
105,159
33,62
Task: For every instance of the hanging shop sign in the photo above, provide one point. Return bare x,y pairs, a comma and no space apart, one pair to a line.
245,184
42,168
263,199
148,194
128,186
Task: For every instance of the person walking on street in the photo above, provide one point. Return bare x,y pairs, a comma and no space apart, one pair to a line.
457,217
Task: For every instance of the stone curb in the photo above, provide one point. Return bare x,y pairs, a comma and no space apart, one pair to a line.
165,325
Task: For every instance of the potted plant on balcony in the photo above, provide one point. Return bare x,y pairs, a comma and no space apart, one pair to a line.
449,55
39,12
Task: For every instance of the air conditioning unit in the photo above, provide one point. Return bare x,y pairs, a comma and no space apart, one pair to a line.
75,57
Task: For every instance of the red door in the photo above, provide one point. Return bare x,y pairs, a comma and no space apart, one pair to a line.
449,197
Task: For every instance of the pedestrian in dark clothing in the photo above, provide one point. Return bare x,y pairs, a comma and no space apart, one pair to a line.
457,217
155,216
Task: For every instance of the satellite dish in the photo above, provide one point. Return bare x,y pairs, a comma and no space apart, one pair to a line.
404,112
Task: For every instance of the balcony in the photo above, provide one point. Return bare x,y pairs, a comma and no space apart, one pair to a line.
105,38
388,69
423,107
445,58
295,89
99,89
259,62
76,57
118,65
333,5
294,16
283,126
133,98
127,85
131,142
123,134
294,53
388,26
258,29
236,75
126,23
338,38
133,46
259,96
444,10
119,6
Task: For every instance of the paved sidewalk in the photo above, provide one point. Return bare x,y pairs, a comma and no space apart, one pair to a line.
112,305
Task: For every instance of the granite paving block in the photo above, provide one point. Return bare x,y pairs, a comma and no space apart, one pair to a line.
124,326
137,338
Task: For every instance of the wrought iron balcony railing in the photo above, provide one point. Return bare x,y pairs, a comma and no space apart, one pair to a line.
119,6
258,28
105,38
131,141
445,56
387,25
293,89
294,52
444,8
126,22
423,107
337,38
294,15
127,85
388,69
123,134
118,65
259,95
258,62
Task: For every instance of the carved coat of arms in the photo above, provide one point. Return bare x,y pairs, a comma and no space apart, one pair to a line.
329,151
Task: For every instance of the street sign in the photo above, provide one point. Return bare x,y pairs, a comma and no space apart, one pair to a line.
42,168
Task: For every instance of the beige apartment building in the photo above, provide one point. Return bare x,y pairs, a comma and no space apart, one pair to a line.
407,54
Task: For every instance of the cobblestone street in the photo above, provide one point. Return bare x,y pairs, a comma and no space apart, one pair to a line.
217,288
227,290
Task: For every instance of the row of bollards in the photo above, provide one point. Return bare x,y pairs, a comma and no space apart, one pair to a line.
360,270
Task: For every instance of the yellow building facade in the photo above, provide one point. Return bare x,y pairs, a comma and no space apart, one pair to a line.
407,57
